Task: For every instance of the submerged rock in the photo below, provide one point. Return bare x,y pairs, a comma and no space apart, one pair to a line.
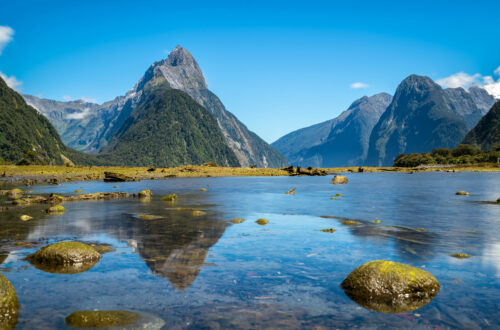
148,216
15,193
350,222
291,191
339,179
329,230
203,189
262,221
78,191
338,194
102,319
25,217
145,194
8,304
376,221
170,198
461,255
102,248
197,213
462,193
390,287
65,258
237,220
56,209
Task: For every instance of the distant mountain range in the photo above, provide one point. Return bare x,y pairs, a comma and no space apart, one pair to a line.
90,127
342,141
27,137
486,134
374,130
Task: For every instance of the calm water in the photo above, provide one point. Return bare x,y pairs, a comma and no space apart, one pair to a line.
205,272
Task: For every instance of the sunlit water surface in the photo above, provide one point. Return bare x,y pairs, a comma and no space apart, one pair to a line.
205,272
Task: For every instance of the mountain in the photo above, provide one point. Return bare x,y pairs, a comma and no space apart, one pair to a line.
418,119
342,141
27,136
486,134
469,106
168,128
98,123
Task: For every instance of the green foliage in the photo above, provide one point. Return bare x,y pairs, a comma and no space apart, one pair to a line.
486,134
27,137
462,154
168,128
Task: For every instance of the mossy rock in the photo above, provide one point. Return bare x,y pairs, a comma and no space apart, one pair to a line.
65,258
350,222
333,198
56,209
8,304
237,220
377,221
148,217
15,193
102,248
25,217
102,319
461,255
170,198
203,189
78,191
338,194
390,287
329,230
339,179
197,213
262,221
145,194
462,193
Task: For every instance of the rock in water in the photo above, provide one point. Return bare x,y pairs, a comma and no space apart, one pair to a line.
462,193
339,179
65,258
114,319
56,209
390,287
170,198
116,177
8,304
145,194
262,221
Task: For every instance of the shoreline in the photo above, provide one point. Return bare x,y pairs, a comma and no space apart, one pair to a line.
40,174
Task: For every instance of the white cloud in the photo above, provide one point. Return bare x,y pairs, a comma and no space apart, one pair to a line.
359,85
79,115
6,34
67,98
89,99
11,81
465,80
497,71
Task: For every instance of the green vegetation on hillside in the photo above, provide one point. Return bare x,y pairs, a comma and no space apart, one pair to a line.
462,154
486,134
168,128
27,137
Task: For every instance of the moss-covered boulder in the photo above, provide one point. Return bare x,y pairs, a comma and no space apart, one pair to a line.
25,217
262,221
350,222
148,216
65,258
237,220
102,248
102,319
329,230
15,193
461,255
8,304
198,213
56,209
339,179
145,194
170,198
114,319
462,193
390,287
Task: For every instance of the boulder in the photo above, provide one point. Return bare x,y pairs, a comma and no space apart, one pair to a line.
390,287
262,221
15,193
237,220
145,194
170,198
65,258
339,179
56,209
8,304
295,171
117,177
25,217
114,319
462,193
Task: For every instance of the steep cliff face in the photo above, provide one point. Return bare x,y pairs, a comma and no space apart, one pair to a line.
342,141
418,119
181,71
468,106
486,134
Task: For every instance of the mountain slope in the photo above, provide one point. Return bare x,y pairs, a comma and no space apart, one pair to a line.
26,134
168,128
181,71
486,134
338,142
468,106
418,119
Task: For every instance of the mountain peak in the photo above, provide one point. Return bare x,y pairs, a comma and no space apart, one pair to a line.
419,82
179,57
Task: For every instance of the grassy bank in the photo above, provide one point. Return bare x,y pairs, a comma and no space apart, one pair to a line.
34,174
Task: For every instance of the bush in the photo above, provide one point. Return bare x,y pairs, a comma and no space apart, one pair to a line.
465,150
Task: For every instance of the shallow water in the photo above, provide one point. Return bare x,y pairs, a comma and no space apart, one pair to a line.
205,272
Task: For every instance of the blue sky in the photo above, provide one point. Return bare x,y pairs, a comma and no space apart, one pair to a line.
277,65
